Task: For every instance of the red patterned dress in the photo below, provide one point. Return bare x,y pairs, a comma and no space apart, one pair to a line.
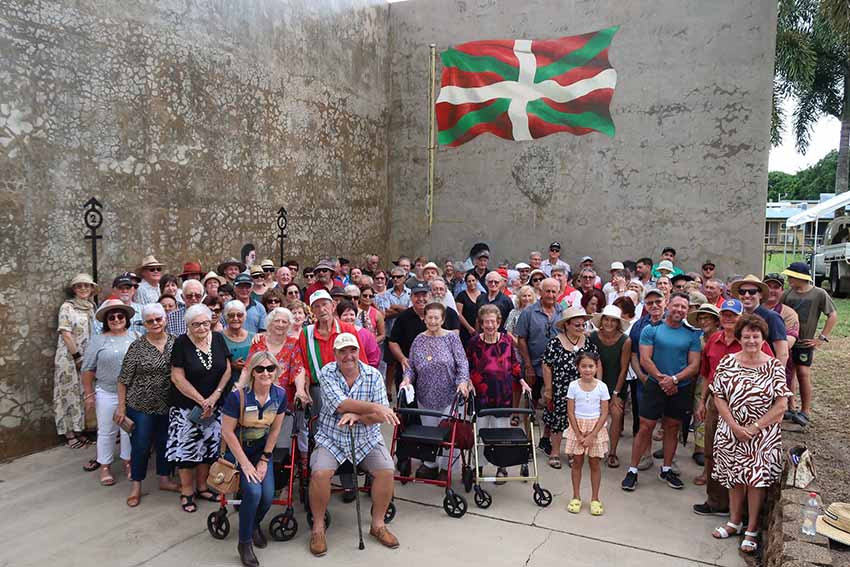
749,392
493,369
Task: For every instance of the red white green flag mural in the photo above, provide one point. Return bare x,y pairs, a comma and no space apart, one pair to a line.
525,89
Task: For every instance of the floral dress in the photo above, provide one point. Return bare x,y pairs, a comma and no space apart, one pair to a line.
493,370
749,392
75,317
564,370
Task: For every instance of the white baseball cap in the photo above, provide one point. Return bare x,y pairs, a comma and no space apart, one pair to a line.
344,340
522,266
617,266
320,294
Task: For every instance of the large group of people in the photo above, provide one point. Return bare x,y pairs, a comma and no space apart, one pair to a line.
202,365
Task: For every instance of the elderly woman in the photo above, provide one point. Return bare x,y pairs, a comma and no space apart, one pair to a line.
101,367
467,307
494,369
273,298
707,318
559,369
300,317
292,292
238,340
438,369
283,345
200,370
252,416
143,388
75,325
615,349
525,296
751,396
347,313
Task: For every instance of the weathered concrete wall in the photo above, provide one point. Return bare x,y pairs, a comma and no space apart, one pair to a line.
193,122
688,165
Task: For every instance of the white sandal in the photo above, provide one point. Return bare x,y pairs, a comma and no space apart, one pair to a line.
723,533
749,546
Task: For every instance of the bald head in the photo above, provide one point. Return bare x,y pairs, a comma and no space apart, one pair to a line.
549,289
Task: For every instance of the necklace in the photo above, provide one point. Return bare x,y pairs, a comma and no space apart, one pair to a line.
206,358
574,343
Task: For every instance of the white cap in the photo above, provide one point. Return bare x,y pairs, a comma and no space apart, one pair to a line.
344,340
522,266
617,266
585,259
320,294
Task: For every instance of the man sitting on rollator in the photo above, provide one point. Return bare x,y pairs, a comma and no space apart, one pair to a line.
353,396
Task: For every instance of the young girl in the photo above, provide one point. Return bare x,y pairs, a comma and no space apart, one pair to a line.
587,409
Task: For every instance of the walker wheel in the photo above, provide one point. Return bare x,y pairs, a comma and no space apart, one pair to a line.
468,479
327,519
390,513
283,527
454,504
542,497
523,470
218,525
482,498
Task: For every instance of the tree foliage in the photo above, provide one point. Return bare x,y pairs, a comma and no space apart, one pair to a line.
807,184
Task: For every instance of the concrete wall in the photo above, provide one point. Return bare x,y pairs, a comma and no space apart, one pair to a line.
687,167
193,122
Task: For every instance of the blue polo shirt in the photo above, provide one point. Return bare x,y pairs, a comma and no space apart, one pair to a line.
258,419
670,347
537,328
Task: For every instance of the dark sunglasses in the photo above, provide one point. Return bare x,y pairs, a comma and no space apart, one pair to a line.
193,295
153,321
651,303
115,317
258,276
748,291
273,300
268,270
293,292
554,250
154,269
535,280
270,368
367,295
396,277
309,274
321,271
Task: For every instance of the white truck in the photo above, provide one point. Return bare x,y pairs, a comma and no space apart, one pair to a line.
832,258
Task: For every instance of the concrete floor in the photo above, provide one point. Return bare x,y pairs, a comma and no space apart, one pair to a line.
53,513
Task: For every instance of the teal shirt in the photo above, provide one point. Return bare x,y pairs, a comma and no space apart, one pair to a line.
677,271
239,350
670,347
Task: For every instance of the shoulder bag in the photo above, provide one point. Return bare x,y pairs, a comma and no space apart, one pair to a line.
224,475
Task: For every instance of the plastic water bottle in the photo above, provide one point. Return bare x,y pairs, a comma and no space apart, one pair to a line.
810,514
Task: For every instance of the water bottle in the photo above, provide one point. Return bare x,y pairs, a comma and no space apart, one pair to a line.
810,514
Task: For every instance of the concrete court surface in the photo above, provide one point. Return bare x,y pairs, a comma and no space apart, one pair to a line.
53,513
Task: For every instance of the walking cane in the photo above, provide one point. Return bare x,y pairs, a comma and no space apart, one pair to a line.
356,492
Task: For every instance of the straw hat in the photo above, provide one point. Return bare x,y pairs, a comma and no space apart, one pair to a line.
665,266
148,262
709,308
835,522
213,276
432,266
571,313
615,313
752,280
84,279
112,304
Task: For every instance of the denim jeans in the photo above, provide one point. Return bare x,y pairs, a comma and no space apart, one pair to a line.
256,497
151,430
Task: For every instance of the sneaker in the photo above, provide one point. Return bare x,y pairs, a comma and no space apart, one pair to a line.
427,473
706,510
671,478
645,463
629,482
545,445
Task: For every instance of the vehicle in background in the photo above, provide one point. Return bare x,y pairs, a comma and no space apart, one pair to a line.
832,258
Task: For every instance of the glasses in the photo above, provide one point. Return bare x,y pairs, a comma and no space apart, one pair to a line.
235,315
748,291
321,271
491,282
554,250
367,295
708,268
258,277
193,295
201,324
269,368
380,277
154,269
651,303
396,277
309,275
293,292
587,277
268,270
536,280
154,321
273,300
115,317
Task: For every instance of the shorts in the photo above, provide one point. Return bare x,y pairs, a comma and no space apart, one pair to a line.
802,356
654,403
377,459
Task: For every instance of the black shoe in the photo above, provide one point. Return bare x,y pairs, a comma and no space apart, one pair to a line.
347,481
260,540
801,419
659,454
706,510
630,482
545,445
788,415
246,554
348,496
699,458
427,473
672,479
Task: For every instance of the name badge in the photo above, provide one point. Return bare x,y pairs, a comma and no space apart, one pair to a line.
250,408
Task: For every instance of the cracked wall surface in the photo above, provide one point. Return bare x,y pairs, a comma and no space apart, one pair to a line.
687,167
193,121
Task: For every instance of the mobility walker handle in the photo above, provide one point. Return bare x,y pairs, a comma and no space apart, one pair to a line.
504,412
420,411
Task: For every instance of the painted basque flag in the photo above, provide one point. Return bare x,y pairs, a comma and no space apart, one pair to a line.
525,89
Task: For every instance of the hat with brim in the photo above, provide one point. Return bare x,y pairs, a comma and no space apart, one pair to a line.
570,313
835,522
213,276
611,311
230,262
267,264
748,280
709,308
257,270
537,272
432,266
149,262
798,270
111,305
665,266
191,268
83,279
325,265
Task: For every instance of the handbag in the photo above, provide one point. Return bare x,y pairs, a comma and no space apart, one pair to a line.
224,475
801,467
464,434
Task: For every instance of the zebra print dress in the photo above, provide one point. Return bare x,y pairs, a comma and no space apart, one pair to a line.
749,392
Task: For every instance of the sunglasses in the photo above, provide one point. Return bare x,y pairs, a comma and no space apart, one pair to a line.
322,271
268,270
708,268
367,295
396,277
154,321
154,269
554,250
748,291
273,300
115,317
309,275
535,280
193,295
651,303
489,282
293,292
270,368
236,315
258,277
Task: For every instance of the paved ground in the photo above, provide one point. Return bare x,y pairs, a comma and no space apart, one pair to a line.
52,513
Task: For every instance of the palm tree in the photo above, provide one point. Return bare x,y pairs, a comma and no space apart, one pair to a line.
813,67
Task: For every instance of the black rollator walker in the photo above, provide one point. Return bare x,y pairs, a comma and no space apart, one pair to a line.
506,447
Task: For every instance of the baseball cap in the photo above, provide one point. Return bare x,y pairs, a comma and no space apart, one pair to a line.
320,294
243,279
337,291
124,279
617,266
585,259
708,263
555,244
773,276
342,340
732,305
653,291
420,287
522,266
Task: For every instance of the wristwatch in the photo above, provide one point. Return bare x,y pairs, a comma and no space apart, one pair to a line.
824,338
267,455
675,380
616,393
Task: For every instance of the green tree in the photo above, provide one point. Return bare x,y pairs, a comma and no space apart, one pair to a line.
807,184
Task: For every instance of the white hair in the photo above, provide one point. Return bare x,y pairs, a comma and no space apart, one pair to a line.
233,305
152,309
197,310
190,283
277,313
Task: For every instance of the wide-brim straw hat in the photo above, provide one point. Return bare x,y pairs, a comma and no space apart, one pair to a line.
112,304
835,522
230,262
751,280
571,313
432,266
148,262
213,276
709,308
80,279
615,313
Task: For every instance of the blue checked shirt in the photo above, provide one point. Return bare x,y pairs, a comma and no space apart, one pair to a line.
176,321
369,387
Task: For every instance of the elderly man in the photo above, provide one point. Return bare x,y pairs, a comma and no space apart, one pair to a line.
354,403
430,272
553,260
440,294
535,260
587,280
713,290
255,313
151,271
750,290
282,277
567,294
480,269
193,293
534,328
494,296
372,265
324,275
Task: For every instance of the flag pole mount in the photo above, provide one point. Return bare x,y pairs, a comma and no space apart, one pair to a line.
432,128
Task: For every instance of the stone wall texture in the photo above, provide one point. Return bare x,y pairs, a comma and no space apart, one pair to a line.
687,167
193,121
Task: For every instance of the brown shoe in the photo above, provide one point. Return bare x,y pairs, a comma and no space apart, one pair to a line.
384,536
318,544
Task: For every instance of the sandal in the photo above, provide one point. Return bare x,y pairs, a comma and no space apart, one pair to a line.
501,472
91,466
700,480
106,478
75,442
596,508
723,532
749,546
613,462
574,507
207,494
189,504
133,501
555,462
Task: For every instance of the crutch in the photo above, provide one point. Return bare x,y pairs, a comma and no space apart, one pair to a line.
356,492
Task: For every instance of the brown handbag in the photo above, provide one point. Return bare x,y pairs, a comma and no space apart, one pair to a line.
224,475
